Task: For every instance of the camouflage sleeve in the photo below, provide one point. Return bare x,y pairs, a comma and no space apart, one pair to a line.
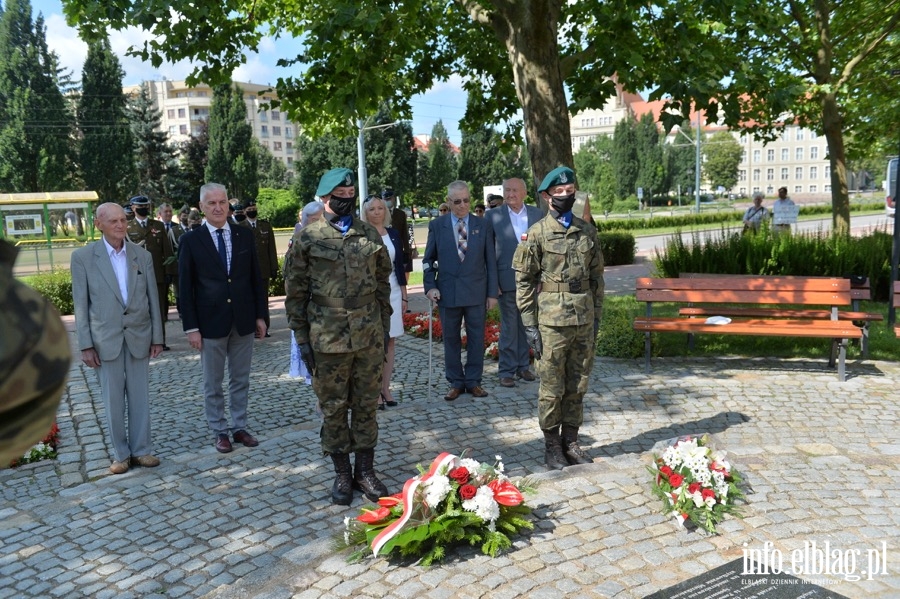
383,269
526,263
296,285
596,273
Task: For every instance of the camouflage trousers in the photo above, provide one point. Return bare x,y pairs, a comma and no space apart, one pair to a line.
348,386
565,368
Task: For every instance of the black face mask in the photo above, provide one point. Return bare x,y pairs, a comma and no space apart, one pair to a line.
142,211
240,217
562,204
195,226
341,206
251,213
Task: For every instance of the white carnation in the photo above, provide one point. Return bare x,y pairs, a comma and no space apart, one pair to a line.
436,489
483,504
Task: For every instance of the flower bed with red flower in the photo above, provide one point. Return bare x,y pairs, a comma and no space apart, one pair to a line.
45,450
457,500
416,324
696,483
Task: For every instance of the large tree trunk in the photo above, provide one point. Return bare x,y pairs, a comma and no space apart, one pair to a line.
834,135
530,36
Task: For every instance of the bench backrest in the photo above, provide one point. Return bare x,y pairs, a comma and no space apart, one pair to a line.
746,290
859,290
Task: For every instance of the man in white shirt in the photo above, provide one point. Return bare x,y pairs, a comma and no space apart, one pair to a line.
507,227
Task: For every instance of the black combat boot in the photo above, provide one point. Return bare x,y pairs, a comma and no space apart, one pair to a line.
364,478
574,453
553,451
342,491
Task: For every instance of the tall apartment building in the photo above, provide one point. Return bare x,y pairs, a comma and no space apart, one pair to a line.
183,107
797,159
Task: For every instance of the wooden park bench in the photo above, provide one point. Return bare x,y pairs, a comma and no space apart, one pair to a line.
859,290
897,304
755,302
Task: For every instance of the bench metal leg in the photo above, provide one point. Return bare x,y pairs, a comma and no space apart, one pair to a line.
647,351
834,352
843,355
864,342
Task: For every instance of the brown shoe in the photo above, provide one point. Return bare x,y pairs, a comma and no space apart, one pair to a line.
477,391
223,444
507,382
119,467
453,393
526,375
246,438
147,461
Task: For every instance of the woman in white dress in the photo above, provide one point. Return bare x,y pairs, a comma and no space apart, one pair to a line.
375,213
309,214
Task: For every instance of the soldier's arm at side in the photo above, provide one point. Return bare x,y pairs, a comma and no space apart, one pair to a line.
527,266
383,269
598,286
296,285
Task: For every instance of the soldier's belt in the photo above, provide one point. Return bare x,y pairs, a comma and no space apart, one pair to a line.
348,303
576,286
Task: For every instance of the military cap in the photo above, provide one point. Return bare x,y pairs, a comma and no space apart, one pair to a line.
561,175
387,193
249,203
128,209
139,201
336,177
231,206
237,207
494,200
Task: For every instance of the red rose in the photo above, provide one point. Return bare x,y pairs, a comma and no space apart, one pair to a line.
467,491
693,488
675,479
460,475
665,471
707,493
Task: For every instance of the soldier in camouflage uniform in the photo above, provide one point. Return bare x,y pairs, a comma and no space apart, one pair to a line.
338,304
151,235
34,362
559,290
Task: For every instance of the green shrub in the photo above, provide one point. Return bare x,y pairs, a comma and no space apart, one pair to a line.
56,286
618,247
278,206
617,338
276,283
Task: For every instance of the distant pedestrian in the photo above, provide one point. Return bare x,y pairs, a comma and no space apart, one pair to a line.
264,236
783,212
755,214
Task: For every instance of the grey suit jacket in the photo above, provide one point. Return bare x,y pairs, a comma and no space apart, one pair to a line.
462,283
102,319
502,235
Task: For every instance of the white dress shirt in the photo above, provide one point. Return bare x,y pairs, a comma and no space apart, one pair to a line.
119,261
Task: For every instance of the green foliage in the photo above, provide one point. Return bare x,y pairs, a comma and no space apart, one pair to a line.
441,162
191,171
106,151
390,154
617,338
276,283
650,174
625,157
629,204
722,154
618,247
819,254
56,286
486,160
272,172
232,159
153,156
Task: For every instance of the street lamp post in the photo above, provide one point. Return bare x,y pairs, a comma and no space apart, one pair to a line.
361,155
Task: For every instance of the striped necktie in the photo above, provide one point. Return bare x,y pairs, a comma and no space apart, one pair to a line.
462,237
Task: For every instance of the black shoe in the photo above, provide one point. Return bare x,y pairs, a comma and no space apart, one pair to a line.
388,402
166,348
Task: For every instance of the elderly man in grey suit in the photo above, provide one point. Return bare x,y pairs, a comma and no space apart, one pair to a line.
119,329
460,274
507,226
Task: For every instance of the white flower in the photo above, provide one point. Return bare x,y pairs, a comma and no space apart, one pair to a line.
710,501
483,504
436,489
471,465
698,498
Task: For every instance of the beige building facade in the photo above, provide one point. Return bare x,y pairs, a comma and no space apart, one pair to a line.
183,107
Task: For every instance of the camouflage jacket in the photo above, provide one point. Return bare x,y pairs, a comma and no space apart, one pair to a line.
155,239
559,274
338,287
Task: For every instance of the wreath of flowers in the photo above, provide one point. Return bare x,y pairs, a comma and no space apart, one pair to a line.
457,500
696,482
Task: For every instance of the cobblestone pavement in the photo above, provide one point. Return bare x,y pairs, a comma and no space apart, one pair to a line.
821,457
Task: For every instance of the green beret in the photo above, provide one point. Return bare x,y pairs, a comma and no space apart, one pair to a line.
561,175
336,177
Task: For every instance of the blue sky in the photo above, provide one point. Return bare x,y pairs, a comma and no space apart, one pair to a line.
445,102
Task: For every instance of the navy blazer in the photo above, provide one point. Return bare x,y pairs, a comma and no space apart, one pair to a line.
502,235
399,256
212,300
466,282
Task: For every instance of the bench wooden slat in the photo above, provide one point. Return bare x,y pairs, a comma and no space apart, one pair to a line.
748,283
858,291
760,327
746,296
779,313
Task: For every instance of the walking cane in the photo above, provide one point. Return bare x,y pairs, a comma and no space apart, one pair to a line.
430,348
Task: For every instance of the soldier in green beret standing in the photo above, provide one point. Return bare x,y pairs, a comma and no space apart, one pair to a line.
338,304
559,290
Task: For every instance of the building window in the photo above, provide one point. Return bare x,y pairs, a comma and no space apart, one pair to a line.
289,132
756,155
770,174
827,189
276,116
182,129
813,172
172,129
769,190
784,174
263,116
202,94
828,173
786,134
290,161
785,154
264,131
814,153
770,155
276,131
742,175
756,174
813,135
181,113
170,113
798,154
798,189
813,188
798,173
799,134
743,156
276,146
289,148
